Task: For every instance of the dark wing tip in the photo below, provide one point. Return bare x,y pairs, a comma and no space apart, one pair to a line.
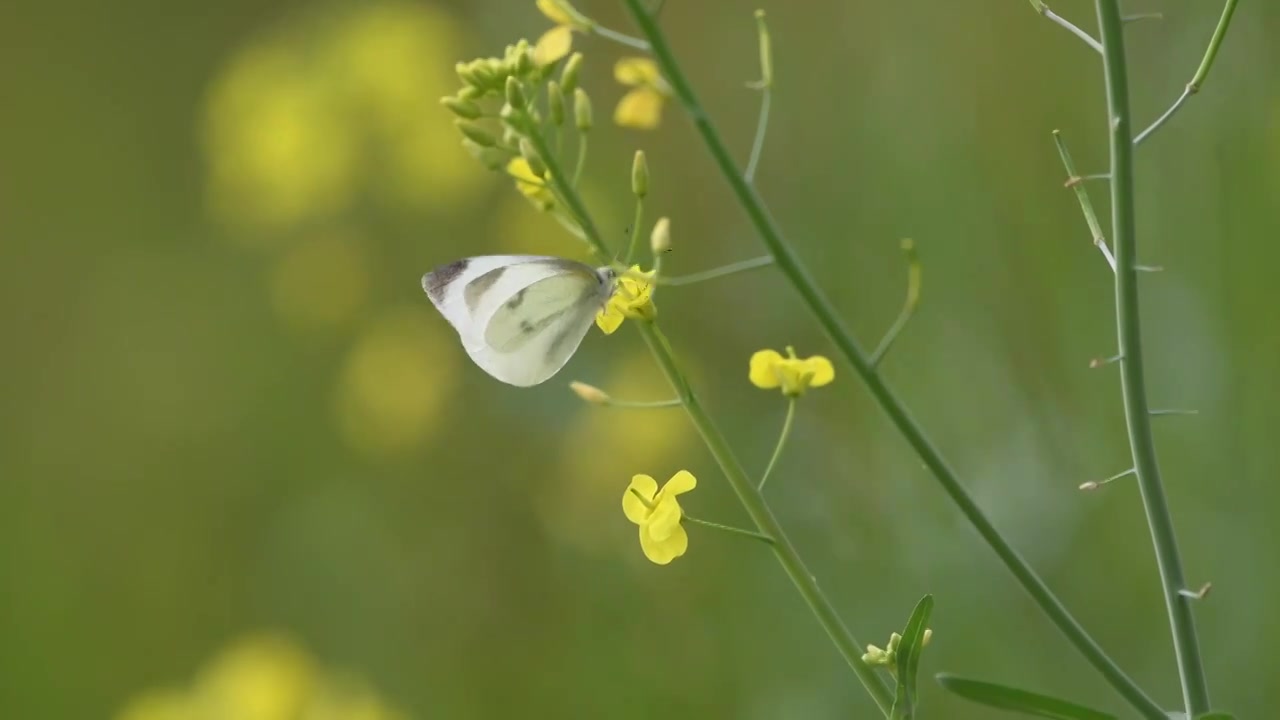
435,282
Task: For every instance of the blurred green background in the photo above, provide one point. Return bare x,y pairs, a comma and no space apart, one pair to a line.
242,457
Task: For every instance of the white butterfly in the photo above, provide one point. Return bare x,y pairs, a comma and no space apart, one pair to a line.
520,317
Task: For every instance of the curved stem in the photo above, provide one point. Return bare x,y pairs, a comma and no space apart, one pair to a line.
1193,87
721,271
1195,690
750,497
795,272
782,441
762,126
620,38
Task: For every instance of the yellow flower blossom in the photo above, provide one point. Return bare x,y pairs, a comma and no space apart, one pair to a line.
641,107
558,41
633,298
658,514
530,184
771,370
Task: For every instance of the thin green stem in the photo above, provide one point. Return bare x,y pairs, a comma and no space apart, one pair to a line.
713,273
1086,206
751,498
620,38
648,405
908,306
782,441
635,232
727,528
1193,87
795,272
762,127
1057,19
580,161
1195,690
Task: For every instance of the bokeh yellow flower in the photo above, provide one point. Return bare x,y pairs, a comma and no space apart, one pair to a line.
263,676
658,514
641,107
769,370
530,184
558,41
633,299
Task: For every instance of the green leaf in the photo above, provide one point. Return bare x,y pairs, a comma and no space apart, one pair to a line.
1217,715
908,659
1007,698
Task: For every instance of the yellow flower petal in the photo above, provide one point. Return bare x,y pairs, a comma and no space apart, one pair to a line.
664,551
640,109
763,372
820,370
633,507
637,71
554,12
609,319
680,483
553,45
665,519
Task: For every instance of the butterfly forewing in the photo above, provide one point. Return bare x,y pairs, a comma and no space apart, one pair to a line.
520,318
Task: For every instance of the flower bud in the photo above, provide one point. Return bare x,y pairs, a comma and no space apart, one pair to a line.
515,93
640,175
581,109
589,393
491,157
660,239
555,103
569,76
475,133
462,108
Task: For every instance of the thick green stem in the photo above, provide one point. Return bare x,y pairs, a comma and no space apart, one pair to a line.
1195,690
750,497
789,263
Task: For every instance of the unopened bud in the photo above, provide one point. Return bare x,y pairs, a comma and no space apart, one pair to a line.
555,103
475,133
515,93
491,157
640,175
569,76
581,109
589,393
462,108
660,239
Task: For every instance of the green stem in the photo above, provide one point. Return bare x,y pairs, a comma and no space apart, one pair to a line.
791,267
620,38
1193,87
727,528
782,441
644,405
762,127
721,271
579,162
751,498
635,231
1195,690
1082,196
1063,22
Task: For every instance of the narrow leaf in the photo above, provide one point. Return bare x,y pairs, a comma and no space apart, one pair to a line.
1023,701
908,659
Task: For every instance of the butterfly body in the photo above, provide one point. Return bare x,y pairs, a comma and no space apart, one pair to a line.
520,317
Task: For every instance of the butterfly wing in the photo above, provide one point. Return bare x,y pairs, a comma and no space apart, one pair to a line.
520,317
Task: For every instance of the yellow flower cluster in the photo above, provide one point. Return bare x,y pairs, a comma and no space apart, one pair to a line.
632,299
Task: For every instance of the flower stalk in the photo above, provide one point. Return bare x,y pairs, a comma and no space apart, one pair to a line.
1195,690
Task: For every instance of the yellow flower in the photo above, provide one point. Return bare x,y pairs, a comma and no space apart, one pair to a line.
771,370
632,298
556,42
530,184
658,514
641,107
